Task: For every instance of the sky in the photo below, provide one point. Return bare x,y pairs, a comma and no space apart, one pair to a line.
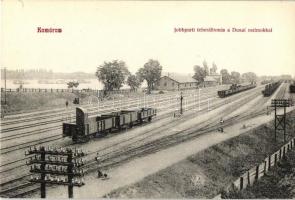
136,31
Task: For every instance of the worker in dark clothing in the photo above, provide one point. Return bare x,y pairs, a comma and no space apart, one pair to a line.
221,123
2,113
67,103
99,174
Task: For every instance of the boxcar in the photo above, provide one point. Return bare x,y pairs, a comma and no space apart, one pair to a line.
126,118
270,88
86,127
146,114
292,88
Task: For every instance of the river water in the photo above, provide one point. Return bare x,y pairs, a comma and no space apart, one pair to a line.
90,83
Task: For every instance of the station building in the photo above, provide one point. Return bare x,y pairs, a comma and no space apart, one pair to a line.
213,79
176,82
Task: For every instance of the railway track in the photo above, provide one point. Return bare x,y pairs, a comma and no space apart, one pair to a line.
20,135
112,145
25,145
107,104
30,145
111,160
92,111
29,133
56,127
49,113
58,136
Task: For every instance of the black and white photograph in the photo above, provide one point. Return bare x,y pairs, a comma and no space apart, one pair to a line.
147,99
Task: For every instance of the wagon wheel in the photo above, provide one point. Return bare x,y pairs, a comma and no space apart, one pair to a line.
149,119
140,121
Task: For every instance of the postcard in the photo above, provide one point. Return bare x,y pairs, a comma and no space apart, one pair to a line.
147,99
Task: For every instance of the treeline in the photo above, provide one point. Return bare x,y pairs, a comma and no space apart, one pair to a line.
200,72
115,73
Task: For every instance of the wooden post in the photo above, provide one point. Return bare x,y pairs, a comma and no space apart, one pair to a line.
284,151
241,183
265,167
275,122
269,162
257,173
70,174
275,159
248,177
42,168
280,155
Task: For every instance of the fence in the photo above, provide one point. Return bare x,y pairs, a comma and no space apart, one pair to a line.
255,173
51,90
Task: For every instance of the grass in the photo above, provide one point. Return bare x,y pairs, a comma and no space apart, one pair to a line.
25,102
207,173
18,102
279,183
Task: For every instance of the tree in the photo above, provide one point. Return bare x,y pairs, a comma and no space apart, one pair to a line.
73,84
249,77
133,81
225,76
112,74
206,68
151,72
235,77
200,73
213,69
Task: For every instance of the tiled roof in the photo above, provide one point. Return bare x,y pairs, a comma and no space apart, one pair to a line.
181,78
210,79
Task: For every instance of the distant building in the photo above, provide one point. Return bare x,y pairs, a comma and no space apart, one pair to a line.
213,79
176,82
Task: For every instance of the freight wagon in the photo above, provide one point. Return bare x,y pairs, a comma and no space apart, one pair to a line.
87,127
271,88
292,87
234,88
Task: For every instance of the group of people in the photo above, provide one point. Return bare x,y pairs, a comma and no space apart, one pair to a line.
99,172
220,129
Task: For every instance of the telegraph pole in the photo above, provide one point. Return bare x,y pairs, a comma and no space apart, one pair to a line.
181,99
5,86
280,120
45,167
70,176
42,168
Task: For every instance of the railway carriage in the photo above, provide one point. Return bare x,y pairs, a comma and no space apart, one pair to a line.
87,127
234,88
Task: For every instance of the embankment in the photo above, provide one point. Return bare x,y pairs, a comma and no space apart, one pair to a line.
205,174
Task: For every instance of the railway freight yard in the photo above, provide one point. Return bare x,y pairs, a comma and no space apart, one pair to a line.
147,99
177,125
